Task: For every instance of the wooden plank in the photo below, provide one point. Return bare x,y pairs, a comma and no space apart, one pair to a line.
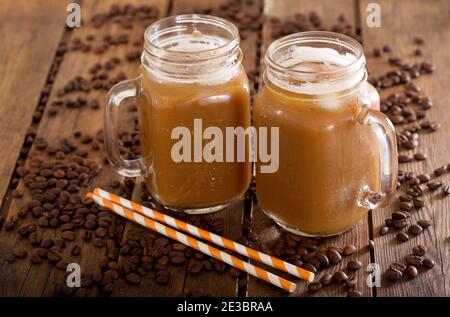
265,228
148,287
401,21
30,36
21,278
204,283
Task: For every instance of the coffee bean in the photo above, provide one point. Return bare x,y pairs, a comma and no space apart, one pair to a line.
35,238
405,197
414,260
387,49
399,215
314,287
351,282
424,223
402,158
20,252
354,265
309,267
133,278
164,260
207,265
101,232
405,206
428,263
349,249
420,157
72,188
435,184
219,266
446,190
197,266
399,224
393,274
376,52
179,259
326,279
17,193
354,293
423,178
162,242
440,171
301,251
419,250
371,245
418,40
323,259
289,251
68,235
340,277
90,224
398,266
61,183
47,243
310,246
62,265
99,242
53,257
178,247
418,203
402,236
384,230
415,229
35,259
334,256
76,250
162,279
411,272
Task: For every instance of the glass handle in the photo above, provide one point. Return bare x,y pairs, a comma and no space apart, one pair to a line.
118,93
385,133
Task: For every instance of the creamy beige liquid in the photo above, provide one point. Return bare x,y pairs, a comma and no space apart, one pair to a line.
165,105
326,158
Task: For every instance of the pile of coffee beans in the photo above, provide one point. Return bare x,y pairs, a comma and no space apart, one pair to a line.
412,265
307,253
246,15
311,22
408,112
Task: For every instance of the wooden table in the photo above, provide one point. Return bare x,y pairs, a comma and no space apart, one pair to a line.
31,33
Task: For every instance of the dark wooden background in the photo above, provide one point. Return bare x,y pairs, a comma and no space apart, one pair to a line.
30,33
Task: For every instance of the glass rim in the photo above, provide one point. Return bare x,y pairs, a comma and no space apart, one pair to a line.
175,23
331,38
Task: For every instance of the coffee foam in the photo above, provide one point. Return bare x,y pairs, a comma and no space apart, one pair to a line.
190,44
317,60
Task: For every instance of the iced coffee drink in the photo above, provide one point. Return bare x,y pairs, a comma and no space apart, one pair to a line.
191,88
336,150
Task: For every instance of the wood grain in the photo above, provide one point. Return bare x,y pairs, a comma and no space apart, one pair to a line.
266,228
148,287
30,36
401,21
205,284
24,279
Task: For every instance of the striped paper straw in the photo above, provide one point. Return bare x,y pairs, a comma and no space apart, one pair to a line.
209,236
195,244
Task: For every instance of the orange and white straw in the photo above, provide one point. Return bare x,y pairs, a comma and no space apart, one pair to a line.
195,244
209,236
